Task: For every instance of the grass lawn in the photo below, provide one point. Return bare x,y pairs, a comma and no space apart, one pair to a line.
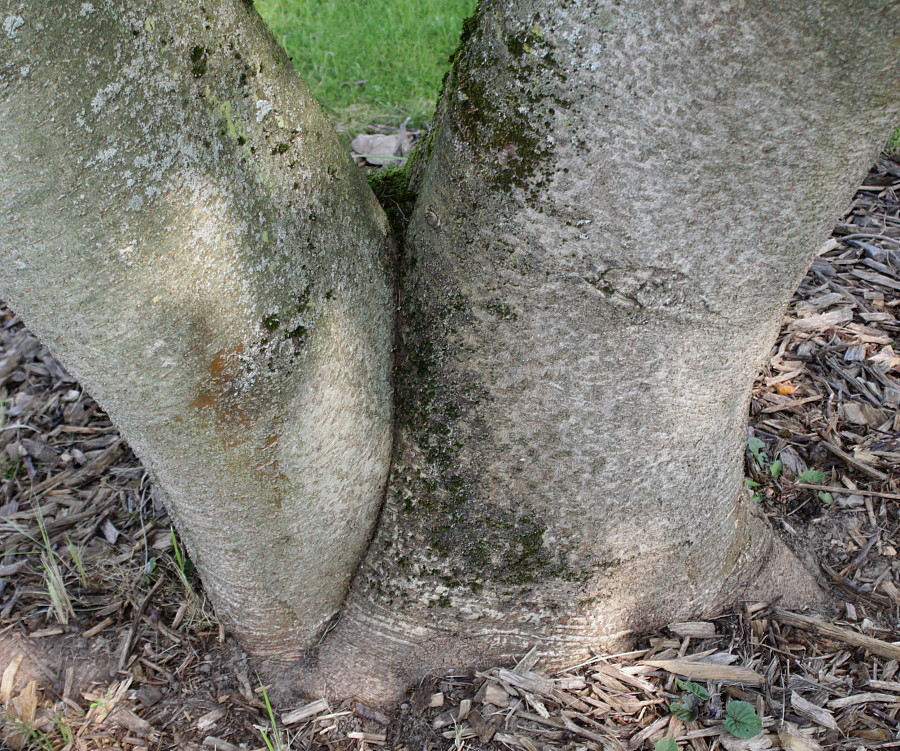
370,61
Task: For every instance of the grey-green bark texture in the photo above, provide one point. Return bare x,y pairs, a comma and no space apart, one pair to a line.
613,207
183,229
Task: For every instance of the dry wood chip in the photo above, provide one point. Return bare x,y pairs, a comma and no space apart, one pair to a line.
24,706
126,718
444,719
653,730
149,695
11,569
539,684
93,631
533,682
757,743
793,740
885,685
481,726
706,672
694,629
527,662
812,712
44,632
39,450
495,694
849,701
8,682
377,738
205,722
875,278
822,321
218,744
369,713
808,623
436,700
110,533
305,712
421,696
631,680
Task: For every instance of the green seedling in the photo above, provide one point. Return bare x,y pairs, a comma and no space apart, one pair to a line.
812,476
276,742
741,720
688,709
692,688
751,485
756,446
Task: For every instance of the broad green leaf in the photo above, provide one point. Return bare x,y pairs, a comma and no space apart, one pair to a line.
691,687
683,711
665,744
756,447
811,476
687,709
775,468
826,498
741,720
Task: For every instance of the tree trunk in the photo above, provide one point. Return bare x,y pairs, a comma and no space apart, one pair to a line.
180,225
614,208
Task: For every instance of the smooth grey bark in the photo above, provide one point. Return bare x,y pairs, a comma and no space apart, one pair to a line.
180,225
613,208
616,204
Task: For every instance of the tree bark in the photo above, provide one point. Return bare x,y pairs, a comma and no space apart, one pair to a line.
179,224
613,208
617,202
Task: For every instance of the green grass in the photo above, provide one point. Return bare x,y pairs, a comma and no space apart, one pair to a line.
893,144
370,60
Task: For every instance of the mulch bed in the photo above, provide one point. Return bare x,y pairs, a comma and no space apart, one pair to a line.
93,582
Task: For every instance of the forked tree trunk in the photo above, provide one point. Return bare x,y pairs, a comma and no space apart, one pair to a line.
180,225
614,206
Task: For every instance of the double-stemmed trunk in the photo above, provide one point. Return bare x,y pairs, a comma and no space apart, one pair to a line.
610,213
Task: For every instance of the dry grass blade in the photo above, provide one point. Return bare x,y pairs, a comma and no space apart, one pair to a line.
60,601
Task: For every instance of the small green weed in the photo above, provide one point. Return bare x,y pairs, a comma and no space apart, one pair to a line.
893,144
276,742
692,688
741,720
688,709
812,476
665,744
185,565
767,472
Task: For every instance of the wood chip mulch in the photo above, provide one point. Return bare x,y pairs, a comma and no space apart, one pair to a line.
95,590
